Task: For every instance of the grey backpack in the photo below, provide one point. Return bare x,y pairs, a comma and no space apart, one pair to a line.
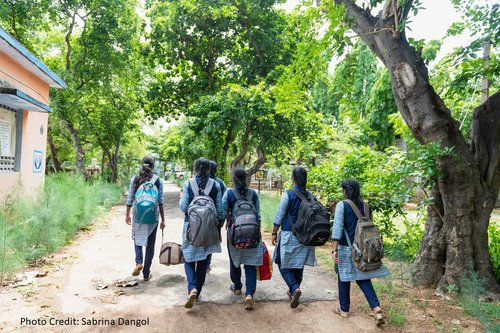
367,248
203,227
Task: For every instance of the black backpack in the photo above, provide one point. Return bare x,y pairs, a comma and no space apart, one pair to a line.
312,227
245,230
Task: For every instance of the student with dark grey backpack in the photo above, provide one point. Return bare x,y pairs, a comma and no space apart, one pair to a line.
244,240
201,201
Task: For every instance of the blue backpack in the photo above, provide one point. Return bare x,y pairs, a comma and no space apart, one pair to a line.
146,203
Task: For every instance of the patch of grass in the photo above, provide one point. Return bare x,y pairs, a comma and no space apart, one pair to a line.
470,297
30,227
268,206
397,298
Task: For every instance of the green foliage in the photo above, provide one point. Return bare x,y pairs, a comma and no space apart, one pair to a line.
381,177
470,292
494,247
197,47
30,228
268,207
379,106
405,244
481,20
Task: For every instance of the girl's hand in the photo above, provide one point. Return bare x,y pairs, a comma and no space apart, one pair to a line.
162,224
128,220
335,255
275,238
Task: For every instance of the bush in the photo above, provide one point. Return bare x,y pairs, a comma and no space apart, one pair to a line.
268,206
32,227
494,247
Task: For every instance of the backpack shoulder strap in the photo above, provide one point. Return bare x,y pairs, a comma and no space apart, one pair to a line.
208,187
194,186
300,195
366,209
154,179
249,195
236,194
354,208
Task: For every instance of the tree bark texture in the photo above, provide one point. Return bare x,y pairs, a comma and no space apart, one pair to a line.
455,241
257,164
53,151
79,151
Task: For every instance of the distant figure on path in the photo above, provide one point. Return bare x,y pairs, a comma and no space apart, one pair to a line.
249,257
345,221
145,199
290,255
213,172
200,236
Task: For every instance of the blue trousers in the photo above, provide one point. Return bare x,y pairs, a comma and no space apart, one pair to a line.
250,277
196,272
150,252
293,277
365,286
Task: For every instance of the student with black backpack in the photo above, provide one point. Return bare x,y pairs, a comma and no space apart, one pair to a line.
290,255
244,240
201,201
346,233
145,200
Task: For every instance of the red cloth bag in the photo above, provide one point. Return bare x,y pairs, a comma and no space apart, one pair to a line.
265,271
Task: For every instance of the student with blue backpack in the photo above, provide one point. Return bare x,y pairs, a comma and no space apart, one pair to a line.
290,255
145,200
201,201
244,240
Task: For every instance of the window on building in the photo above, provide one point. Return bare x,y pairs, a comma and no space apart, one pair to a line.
9,160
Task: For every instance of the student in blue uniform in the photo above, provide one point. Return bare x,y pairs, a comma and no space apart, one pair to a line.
213,172
290,255
345,218
196,258
144,235
250,258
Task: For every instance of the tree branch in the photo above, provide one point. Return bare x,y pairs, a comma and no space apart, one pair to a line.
244,147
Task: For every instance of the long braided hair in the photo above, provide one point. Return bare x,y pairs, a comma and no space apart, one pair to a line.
240,181
352,191
299,176
145,172
202,170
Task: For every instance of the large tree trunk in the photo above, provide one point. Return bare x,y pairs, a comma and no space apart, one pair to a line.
455,239
225,150
79,151
257,164
244,147
53,151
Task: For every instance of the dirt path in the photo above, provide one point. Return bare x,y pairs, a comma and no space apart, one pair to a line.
79,293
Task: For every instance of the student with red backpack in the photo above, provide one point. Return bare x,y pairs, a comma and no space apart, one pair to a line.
145,199
201,201
290,255
348,214
244,240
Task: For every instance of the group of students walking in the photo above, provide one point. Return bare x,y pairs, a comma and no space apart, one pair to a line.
206,195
